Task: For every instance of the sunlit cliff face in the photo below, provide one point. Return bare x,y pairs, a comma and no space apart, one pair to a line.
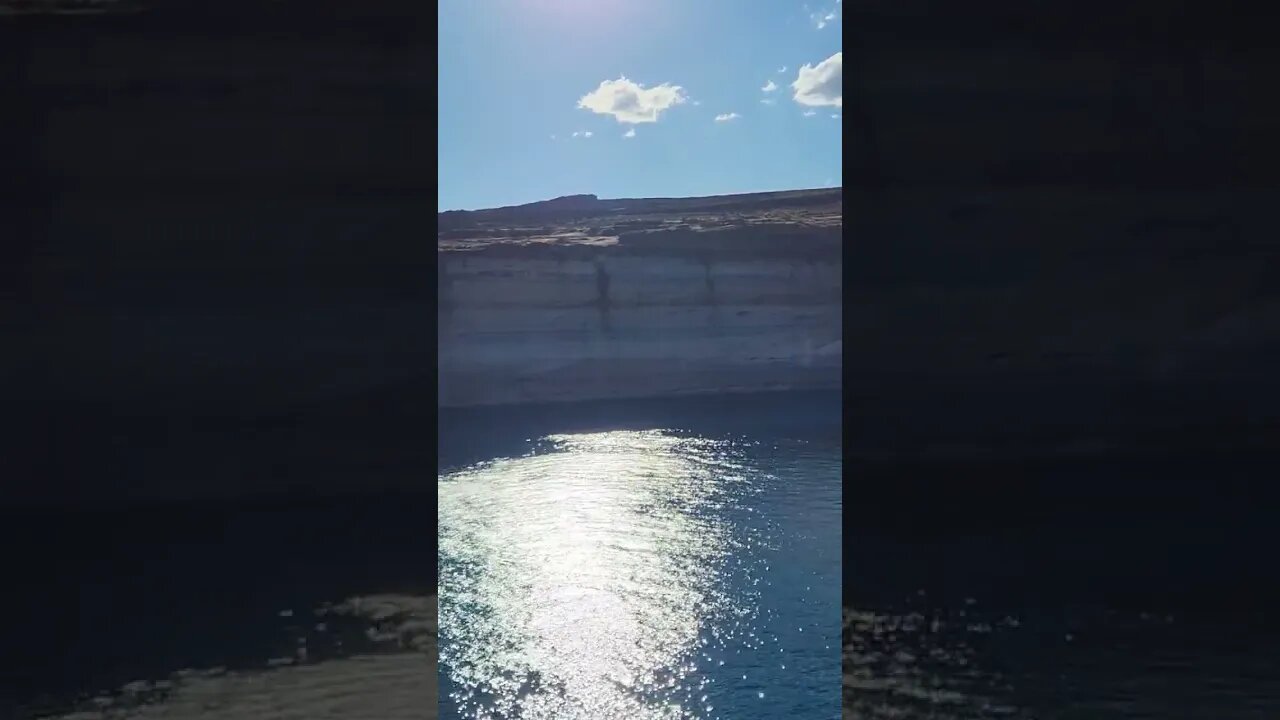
581,583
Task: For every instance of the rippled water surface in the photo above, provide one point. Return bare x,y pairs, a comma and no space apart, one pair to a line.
1112,603
325,610
972,661
643,573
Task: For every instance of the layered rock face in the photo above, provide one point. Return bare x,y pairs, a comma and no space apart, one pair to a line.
218,200
580,298
217,249
1064,224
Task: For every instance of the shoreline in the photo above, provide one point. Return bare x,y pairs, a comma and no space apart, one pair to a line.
385,682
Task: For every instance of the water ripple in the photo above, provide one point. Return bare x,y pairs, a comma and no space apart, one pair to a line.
601,575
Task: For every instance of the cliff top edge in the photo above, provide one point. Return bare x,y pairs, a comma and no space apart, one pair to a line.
591,201
795,221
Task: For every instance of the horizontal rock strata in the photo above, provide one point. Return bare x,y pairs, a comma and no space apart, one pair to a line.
581,298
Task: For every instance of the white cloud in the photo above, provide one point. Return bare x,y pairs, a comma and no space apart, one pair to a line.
630,102
553,137
769,101
821,85
629,133
697,102
835,116
823,18
582,134
782,69
770,86
726,117
810,113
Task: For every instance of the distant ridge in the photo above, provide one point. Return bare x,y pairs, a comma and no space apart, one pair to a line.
593,206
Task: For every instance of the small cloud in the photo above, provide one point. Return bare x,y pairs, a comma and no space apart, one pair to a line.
582,134
823,18
821,85
768,101
697,102
630,102
810,113
726,117
835,116
553,137
782,69
769,86
629,133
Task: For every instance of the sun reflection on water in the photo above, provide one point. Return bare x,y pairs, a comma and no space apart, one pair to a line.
586,580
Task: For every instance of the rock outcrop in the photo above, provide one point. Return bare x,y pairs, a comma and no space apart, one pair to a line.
580,298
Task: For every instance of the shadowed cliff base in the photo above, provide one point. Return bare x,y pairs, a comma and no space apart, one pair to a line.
580,298
479,433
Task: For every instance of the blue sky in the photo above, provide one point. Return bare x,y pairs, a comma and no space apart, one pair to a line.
518,79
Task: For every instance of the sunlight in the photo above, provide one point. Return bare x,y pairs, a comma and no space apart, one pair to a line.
589,571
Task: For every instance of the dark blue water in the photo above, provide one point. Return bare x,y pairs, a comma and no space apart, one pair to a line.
618,562
97,601
1102,589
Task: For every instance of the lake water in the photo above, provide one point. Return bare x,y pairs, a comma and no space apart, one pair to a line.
318,609
1105,589
643,561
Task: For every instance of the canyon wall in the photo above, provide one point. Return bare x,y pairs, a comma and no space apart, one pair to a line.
635,298
1063,225
217,202
217,250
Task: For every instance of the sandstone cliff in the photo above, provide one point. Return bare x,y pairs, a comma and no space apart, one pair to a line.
216,250
217,201
1063,225
580,298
